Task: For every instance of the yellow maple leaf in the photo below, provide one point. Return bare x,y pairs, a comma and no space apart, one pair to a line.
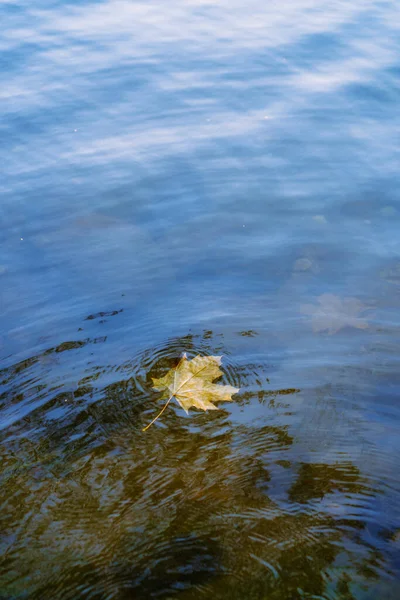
190,383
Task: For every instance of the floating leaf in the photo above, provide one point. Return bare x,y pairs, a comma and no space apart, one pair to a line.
190,383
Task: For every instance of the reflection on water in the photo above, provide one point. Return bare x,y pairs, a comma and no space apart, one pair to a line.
215,178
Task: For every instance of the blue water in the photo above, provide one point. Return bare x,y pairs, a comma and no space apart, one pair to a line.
215,178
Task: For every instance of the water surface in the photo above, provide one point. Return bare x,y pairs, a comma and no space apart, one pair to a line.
215,178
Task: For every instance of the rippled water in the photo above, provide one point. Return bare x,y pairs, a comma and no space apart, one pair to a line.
209,178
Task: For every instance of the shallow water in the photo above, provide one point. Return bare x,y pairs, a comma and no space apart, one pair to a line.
209,178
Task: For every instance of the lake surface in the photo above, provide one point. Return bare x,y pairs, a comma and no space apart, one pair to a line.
215,178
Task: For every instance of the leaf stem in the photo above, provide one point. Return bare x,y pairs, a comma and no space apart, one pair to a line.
159,414
169,399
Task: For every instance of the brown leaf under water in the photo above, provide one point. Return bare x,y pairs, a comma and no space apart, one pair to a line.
333,313
190,383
